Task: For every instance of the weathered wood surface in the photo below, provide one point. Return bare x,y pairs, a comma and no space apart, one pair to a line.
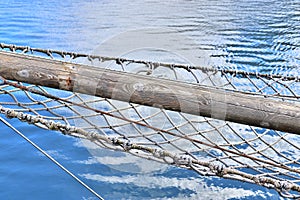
171,95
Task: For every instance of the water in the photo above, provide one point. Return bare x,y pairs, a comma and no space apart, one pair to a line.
254,35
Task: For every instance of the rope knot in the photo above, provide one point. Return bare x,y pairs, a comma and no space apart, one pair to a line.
219,170
183,160
127,145
120,61
10,114
158,153
93,136
156,65
51,125
66,130
285,185
188,68
21,117
114,140
28,118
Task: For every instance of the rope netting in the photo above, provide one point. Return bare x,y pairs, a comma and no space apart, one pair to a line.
208,146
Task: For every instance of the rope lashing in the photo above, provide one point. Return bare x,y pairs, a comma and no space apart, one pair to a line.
204,145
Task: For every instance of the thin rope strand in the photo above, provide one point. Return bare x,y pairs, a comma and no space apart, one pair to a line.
274,163
51,158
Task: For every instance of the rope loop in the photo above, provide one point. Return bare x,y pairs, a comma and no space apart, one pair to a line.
183,160
120,61
158,153
219,170
127,145
163,143
115,141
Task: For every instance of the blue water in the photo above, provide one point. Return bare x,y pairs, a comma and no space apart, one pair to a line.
254,35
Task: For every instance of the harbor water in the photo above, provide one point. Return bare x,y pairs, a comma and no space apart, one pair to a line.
253,35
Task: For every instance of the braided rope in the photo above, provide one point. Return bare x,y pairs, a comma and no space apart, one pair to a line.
159,155
267,168
120,61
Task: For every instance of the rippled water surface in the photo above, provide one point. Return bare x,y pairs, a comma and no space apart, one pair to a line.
251,35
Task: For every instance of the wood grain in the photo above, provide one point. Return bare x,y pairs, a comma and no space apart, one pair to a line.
171,95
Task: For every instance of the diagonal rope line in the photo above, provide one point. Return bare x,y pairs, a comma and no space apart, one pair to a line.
186,162
50,157
215,146
267,157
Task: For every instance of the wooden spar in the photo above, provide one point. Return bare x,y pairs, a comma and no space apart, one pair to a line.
168,94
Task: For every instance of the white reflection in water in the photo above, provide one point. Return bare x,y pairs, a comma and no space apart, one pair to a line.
199,189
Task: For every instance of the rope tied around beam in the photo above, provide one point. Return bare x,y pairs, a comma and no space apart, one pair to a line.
207,146
120,61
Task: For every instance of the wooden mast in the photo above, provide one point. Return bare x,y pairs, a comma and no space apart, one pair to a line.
171,95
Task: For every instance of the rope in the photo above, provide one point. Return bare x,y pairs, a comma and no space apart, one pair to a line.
50,158
67,129
209,147
163,155
154,65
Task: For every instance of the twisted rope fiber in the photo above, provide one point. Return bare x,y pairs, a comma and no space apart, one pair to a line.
177,160
50,158
184,161
153,65
120,61
145,125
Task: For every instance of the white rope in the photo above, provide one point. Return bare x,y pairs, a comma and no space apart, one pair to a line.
51,158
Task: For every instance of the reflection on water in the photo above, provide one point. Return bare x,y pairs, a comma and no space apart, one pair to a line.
244,34
254,35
